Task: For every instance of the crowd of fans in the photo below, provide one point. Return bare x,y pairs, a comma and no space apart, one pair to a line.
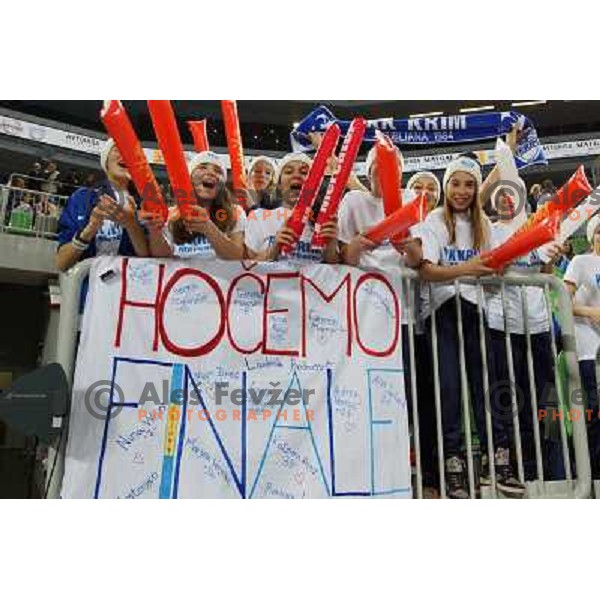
36,198
109,220
105,217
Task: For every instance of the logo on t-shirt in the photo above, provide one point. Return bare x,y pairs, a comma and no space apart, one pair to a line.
199,246
454,255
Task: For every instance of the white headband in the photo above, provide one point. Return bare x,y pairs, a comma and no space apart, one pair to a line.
429,174
210,158
465,165
292,157
108,146
591,227
265,159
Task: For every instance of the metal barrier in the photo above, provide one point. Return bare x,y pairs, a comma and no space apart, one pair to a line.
573,486
576,451
30,212
65,188
66,351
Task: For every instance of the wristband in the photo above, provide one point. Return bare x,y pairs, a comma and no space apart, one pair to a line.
78,243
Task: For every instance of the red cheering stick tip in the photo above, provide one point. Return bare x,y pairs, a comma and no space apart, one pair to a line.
569,195
236,150
119,127
338,182
389,173
167,134
198,130
523,242
312,184
399,222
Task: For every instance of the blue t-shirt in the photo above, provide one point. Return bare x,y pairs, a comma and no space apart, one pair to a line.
111,238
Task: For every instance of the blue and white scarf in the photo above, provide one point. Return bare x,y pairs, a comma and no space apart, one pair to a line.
450,129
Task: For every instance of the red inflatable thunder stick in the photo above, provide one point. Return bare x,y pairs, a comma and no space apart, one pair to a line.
389,173
399,222
312,183
119,128
198,129
523,242
569,195
236,150
167,134
337,185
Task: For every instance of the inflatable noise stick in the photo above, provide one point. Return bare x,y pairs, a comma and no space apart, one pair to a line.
167,134
576,217
236,151
198,130
312,184
119,127
399,222
522,243
569,195
389,173
337,185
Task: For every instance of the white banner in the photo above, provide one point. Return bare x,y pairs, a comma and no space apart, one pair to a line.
430,162
238,380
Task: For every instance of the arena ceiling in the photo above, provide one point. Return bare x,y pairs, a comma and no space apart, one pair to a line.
266,123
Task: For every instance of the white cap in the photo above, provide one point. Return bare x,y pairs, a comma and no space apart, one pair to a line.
108,146
292,157
266,159
429,174
210,158
373,153
592,225
465,165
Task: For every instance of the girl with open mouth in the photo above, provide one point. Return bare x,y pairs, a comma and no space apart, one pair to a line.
267,231
102,220
216,227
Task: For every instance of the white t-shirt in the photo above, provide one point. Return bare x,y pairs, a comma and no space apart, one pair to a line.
438,251
525,265
584,273
200,247
358,212
262,228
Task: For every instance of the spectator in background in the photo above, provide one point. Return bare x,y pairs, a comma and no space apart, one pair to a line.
51,174
20,208
564,259
26,204
534,195
34,177
15,196
18,183
90,180
45,206
548,190
71,182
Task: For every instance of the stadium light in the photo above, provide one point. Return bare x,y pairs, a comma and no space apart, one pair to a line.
470,109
